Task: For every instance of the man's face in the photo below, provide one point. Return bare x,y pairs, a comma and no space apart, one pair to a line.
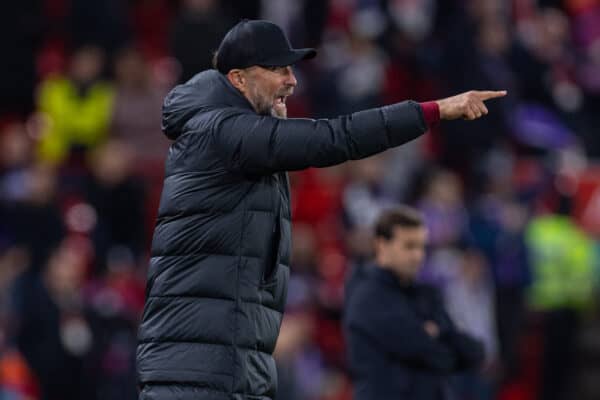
404,253
267,88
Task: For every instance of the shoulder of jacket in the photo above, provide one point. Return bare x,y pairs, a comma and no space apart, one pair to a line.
223,113
367,290
431,291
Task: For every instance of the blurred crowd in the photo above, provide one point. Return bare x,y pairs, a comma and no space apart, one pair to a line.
511,201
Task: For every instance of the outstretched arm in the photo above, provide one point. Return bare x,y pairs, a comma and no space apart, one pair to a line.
255,144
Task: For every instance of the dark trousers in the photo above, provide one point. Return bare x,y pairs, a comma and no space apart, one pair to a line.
510,315
559,344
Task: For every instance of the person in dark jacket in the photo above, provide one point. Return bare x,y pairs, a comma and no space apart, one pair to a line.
219,266
401,342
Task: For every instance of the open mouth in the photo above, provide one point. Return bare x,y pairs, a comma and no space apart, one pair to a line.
279,107
280,101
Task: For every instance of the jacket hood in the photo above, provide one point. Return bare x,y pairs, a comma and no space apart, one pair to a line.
205,91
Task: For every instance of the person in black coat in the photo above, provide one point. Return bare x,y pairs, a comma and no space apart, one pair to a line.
219,266
401,342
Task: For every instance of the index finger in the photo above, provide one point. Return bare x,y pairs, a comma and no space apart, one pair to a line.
490,94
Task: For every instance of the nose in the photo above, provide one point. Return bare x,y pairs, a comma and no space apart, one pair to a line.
290,77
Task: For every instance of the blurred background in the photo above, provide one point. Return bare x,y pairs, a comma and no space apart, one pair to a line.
512,200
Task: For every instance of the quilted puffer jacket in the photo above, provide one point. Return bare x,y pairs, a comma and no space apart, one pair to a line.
219,267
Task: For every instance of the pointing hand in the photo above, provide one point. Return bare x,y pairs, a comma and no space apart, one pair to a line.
468,105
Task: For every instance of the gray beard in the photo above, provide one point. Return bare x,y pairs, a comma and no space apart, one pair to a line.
274,114
266,108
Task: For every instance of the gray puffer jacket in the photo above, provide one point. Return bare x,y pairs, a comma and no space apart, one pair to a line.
220,256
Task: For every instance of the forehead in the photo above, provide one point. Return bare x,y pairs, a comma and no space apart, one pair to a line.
265,71
256,70
410,233
260,75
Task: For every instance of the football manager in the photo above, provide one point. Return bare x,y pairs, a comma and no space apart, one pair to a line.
401,342
220,256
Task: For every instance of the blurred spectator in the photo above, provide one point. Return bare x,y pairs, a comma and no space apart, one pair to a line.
563,261
497,223
461,273
15,156
16,379
120,291
13,261
101,23
299,366
299,360
470,301
117,198
21,33
118,298
305,256
413,18
196,34
303,20
542,51
55,330
282,12
36,208
137,109
77,106
443,207
353,73
365,196
78,336
475,53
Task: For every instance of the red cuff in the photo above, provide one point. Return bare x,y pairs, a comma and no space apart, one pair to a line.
431,112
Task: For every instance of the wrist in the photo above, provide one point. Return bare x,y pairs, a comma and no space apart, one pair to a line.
431,112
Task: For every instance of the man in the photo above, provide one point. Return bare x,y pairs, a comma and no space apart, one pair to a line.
218,275
401,342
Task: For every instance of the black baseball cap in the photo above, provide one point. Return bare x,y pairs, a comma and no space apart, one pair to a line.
257,42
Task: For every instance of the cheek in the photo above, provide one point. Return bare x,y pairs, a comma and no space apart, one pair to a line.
400,252
256,92
272,87
258,97
410,255
419,255
266,94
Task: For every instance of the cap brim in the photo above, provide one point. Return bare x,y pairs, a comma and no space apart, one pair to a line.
290,58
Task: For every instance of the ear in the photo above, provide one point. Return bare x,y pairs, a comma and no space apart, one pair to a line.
379,245
237,79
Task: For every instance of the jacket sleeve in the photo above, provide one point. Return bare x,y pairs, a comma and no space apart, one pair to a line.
398,333
468,351
255,144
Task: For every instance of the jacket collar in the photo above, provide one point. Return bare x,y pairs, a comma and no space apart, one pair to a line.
206,91
232,96
389,278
